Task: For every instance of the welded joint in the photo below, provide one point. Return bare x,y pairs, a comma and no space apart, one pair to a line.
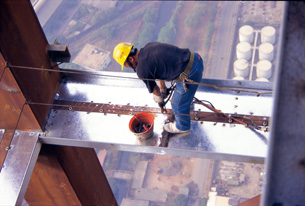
230,120
42,134
197,118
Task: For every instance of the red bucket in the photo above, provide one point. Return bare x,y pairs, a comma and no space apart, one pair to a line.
142,125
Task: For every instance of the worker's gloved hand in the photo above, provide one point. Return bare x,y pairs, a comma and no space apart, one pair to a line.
161,105
164,92
158,99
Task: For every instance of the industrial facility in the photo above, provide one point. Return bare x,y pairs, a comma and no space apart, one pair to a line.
255,54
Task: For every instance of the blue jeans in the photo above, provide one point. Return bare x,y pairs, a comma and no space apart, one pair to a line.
181,100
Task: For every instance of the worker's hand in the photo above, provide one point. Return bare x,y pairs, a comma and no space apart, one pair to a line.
164,92
158,99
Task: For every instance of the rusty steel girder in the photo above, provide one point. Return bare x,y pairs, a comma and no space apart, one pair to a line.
89,107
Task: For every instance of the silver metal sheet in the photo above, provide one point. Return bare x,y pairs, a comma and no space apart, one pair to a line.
286,154
113,129
18,167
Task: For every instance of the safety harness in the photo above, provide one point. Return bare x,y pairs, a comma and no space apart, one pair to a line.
183,77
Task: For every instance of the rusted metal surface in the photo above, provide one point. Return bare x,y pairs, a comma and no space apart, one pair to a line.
255,201
23,43
12,103
49,184
86,175
132,110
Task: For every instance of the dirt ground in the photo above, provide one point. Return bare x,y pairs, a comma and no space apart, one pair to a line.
167,172
171,173
253,184
184,33
198,34
130,33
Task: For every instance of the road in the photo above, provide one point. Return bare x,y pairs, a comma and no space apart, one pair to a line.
225,35
165,14
46,9
201,175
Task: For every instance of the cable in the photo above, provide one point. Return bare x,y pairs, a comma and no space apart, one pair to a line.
3,72
113,76
196,102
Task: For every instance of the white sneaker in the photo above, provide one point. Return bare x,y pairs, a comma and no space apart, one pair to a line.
171,128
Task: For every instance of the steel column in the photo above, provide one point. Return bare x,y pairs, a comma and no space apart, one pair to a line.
286,157
23,42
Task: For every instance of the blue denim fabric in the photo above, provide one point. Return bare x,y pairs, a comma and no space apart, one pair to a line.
181,100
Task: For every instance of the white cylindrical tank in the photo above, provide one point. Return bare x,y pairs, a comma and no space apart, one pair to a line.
238,78
264,69
266,51
241,68
243,51
268,35
246,34
262,79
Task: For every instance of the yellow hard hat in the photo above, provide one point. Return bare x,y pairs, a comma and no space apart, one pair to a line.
121,52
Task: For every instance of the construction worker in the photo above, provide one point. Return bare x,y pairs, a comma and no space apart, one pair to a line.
165,62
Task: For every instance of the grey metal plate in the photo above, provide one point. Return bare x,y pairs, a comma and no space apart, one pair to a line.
205,136
18,166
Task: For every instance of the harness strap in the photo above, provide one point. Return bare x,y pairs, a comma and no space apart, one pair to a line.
184,75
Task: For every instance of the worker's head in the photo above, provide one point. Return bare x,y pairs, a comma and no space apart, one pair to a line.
124,53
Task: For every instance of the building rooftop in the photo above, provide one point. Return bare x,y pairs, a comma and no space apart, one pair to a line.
92,57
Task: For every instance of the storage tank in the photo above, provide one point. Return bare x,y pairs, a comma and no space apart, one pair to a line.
243,51
238,78
241,68
262,79
246,34
263,69
266,51
268,35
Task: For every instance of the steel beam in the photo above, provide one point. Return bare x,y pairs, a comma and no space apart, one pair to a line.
132,110
86,175
151,149
93,112
23,43
12,103
6,139
49,184
18,167
286,153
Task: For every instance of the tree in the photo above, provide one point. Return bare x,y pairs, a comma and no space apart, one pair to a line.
180,200
147,34
151,15
108,32
167,35
191,20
